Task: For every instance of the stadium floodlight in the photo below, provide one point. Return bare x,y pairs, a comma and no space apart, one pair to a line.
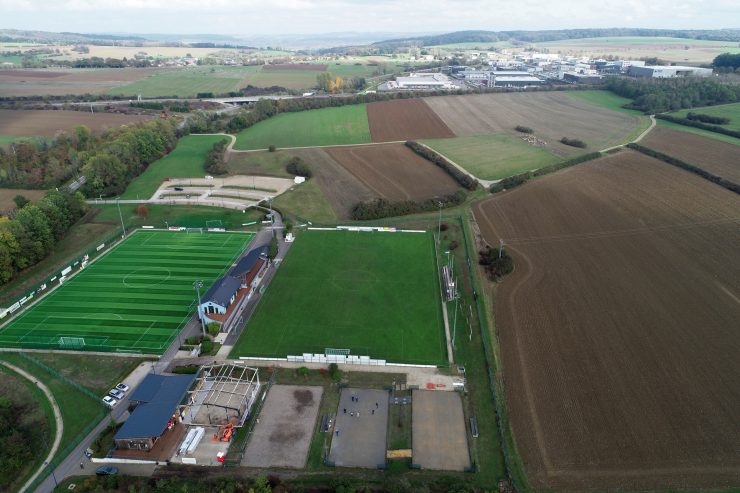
197,285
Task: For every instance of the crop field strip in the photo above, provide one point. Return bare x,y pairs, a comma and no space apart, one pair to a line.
618,340
552,115
136,298
374,293
719,158
405,119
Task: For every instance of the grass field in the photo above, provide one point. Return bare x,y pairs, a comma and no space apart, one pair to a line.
188,82
731,111
492,157
187,160
374,293
699,131
327,126
308,202
609,100
136,298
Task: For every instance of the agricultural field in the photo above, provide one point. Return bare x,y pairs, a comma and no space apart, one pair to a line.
681,50
298,80
492,157
326,126
48,122
187,160
394,172
189,81
552,115
731,111
134,299
30,82
405,119
719,158
310,67
376,294
618,341
263,163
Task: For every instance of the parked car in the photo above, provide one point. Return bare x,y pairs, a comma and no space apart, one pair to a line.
122,387
179,189
106,470
110,401
115,393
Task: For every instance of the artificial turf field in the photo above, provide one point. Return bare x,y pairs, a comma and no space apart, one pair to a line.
134,299
376,294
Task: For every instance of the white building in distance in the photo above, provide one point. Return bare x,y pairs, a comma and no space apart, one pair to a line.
668,72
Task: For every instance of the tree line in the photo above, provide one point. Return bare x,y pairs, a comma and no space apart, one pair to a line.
34,229
462,178
216,158
380,208
727,62
516,180
659,95
109,162
689,122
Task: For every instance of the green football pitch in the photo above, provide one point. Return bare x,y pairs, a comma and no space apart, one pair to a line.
136,298
376,294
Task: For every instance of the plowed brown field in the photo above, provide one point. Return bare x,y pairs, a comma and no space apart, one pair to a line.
48,122
72,81
552,115
405,119
394,171
619,327
717,157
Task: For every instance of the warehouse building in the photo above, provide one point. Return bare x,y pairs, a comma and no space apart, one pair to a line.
509,81
668,72
420,81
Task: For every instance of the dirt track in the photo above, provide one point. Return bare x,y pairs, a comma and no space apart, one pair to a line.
405,119
48,122
394,171
717,157
552,115
618,328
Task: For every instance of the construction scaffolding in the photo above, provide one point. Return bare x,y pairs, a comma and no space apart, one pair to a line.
223,394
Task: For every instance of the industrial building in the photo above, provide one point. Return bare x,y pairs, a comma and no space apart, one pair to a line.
668,71
420,81
576,78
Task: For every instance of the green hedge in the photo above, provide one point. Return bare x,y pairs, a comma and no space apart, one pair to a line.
734,187
380,208
464,179
516,180
698,124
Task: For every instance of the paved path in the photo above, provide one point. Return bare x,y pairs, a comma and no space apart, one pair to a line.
638,139
57,419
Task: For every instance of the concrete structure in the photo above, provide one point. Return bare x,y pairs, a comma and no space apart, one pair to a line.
155,402
668,72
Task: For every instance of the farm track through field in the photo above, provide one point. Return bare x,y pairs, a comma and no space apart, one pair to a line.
618,341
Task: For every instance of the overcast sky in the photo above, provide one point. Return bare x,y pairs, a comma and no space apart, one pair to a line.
251,17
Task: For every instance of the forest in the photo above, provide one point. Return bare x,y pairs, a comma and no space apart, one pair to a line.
659,95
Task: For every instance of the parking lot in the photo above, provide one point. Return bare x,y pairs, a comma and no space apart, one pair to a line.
438,433
360,430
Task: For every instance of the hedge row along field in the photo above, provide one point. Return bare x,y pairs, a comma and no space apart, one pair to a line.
134,299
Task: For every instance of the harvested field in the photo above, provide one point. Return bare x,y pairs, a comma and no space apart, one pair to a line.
316,67
340,187
48,122
618,328
405,119
71,81
552,115
8,194
719,158
394,171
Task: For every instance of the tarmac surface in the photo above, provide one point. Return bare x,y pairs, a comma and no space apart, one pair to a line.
439,436
360,431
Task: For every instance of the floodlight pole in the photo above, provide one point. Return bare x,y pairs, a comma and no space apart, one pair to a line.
123,227
439,223
454,324
197,285
500,247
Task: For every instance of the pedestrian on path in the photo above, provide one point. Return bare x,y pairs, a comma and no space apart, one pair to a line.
345,410
82,466
373,411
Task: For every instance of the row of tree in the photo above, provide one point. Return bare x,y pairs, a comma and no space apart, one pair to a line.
109,162
659,95
336,84
380,208
35,229
216,159
464,179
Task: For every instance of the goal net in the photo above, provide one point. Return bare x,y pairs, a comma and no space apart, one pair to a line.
214,224
330,351
67,342
194,230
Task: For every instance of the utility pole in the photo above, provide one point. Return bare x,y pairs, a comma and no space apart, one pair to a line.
500,247
123,227
197,285
454,323
439,223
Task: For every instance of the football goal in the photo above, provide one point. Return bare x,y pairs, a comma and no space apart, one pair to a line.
67,342
214,224
193,230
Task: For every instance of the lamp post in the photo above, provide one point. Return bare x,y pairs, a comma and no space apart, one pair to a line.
439,224
54,477
118,203
197,285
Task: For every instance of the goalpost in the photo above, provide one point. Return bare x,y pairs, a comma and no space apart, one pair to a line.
68,342
214,224
194,230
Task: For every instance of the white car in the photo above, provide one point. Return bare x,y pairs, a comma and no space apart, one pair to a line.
122,387
109,401
115,393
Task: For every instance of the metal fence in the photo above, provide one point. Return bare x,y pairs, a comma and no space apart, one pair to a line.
72,443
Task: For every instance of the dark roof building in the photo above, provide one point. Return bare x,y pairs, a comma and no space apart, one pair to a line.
156,400
247,262
222,291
